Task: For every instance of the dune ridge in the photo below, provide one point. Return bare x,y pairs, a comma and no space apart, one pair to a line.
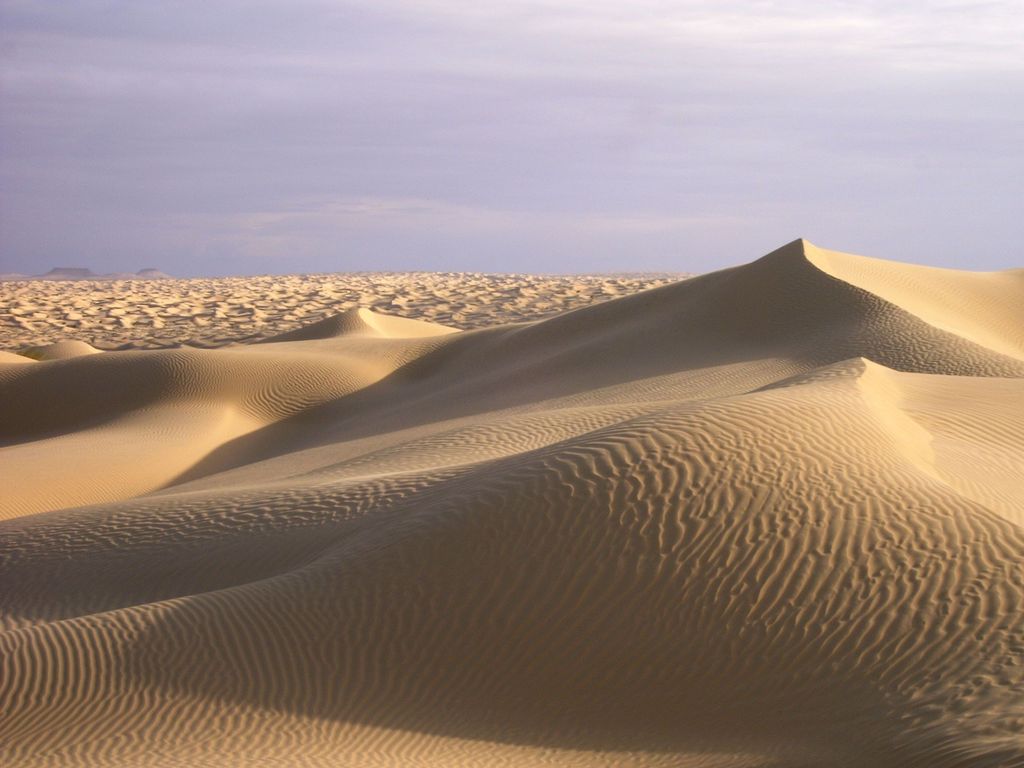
769,516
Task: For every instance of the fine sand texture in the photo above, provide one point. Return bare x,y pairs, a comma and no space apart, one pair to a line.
768,516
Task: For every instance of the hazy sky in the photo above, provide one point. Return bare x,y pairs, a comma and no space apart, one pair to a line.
224,136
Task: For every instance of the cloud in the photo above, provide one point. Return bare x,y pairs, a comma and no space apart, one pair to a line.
410,233
389,213
170,129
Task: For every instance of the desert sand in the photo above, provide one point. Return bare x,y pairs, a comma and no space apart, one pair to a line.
213,312
768,516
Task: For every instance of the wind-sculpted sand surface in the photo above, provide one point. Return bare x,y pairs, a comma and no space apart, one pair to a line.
212,312
769,516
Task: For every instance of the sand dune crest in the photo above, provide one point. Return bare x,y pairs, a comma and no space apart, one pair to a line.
363,322
982,307
60,350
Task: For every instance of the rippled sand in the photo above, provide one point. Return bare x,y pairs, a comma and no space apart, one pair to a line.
769,516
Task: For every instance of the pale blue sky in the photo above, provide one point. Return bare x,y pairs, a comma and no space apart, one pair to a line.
230,137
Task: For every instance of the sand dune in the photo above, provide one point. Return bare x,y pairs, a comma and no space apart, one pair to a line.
362,322
59,350
770,516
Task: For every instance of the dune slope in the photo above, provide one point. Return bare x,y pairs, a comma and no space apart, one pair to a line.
769,516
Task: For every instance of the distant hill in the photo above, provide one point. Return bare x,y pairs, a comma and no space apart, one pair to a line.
69,273
151,273
84,273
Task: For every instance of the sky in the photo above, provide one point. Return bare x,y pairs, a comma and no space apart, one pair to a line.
287,136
